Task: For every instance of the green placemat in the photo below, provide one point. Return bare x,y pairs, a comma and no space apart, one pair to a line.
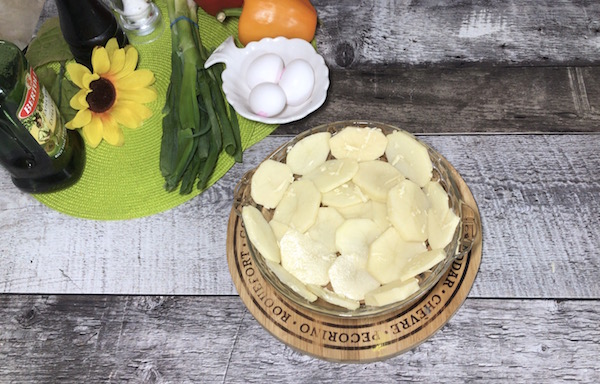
125,182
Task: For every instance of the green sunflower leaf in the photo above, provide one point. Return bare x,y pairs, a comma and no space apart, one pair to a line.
60,88
48,46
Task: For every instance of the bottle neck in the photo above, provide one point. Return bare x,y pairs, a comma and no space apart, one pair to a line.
86,24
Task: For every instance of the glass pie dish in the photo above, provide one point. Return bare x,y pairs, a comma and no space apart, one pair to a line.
443,172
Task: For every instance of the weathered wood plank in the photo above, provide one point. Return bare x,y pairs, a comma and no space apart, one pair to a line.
474,99
441,98
359,33
76,339
84,339
539,197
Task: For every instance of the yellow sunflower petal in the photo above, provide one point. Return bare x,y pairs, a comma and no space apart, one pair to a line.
131,59
88,78
111,46
92,132
138,79
125,116
100,60
77,72
117,61
142,111
139,110
112,133
142,95
78,101
82,118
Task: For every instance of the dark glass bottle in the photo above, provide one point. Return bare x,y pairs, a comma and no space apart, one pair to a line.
37,149
86,24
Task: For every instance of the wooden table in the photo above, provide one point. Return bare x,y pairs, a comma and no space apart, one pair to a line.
508,92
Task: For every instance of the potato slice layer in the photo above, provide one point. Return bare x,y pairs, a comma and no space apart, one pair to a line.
279,229
361,144
392,292
269,183
349,277
309,153
410,157
407,210
345,195
388,255
441,231
344,217
355,236
334,298
422,262
288,279
260,233
376,178
306,259
299,206
323,230
438,199
333,173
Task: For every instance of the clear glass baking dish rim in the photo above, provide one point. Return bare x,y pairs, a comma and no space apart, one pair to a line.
458,247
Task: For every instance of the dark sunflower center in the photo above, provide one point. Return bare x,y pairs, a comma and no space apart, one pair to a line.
102,97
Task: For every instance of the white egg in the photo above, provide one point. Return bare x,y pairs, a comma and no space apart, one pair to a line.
264,69
267,99
297,81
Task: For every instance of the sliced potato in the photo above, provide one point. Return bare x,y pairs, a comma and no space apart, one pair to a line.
299,206
441,231
355,236
288,279
410,157
260,233
332,173
407,210
361,144
333,298
422,262
442,221
343,196
388,254
357,211
309,153
376,178
392,292
370,210
349,278
438,198
279,229
323,230
269,183
306,259
379,214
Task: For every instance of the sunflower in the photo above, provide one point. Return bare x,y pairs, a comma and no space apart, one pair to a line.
110,96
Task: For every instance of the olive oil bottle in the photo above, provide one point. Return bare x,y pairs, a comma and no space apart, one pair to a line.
36,148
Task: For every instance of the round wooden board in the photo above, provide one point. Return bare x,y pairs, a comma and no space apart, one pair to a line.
365,339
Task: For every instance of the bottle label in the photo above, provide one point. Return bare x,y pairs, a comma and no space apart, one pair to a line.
41,117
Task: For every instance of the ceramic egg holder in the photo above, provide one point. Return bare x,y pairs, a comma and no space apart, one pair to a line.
287,97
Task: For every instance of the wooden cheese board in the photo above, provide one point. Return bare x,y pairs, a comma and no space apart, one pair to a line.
363,339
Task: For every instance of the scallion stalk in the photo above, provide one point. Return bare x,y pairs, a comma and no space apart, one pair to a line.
198,123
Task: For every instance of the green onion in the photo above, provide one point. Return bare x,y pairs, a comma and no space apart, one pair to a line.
198,123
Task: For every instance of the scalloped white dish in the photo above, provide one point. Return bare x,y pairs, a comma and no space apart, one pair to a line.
237,60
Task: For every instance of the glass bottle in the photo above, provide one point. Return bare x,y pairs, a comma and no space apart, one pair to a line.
37,149
86,24
141,20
